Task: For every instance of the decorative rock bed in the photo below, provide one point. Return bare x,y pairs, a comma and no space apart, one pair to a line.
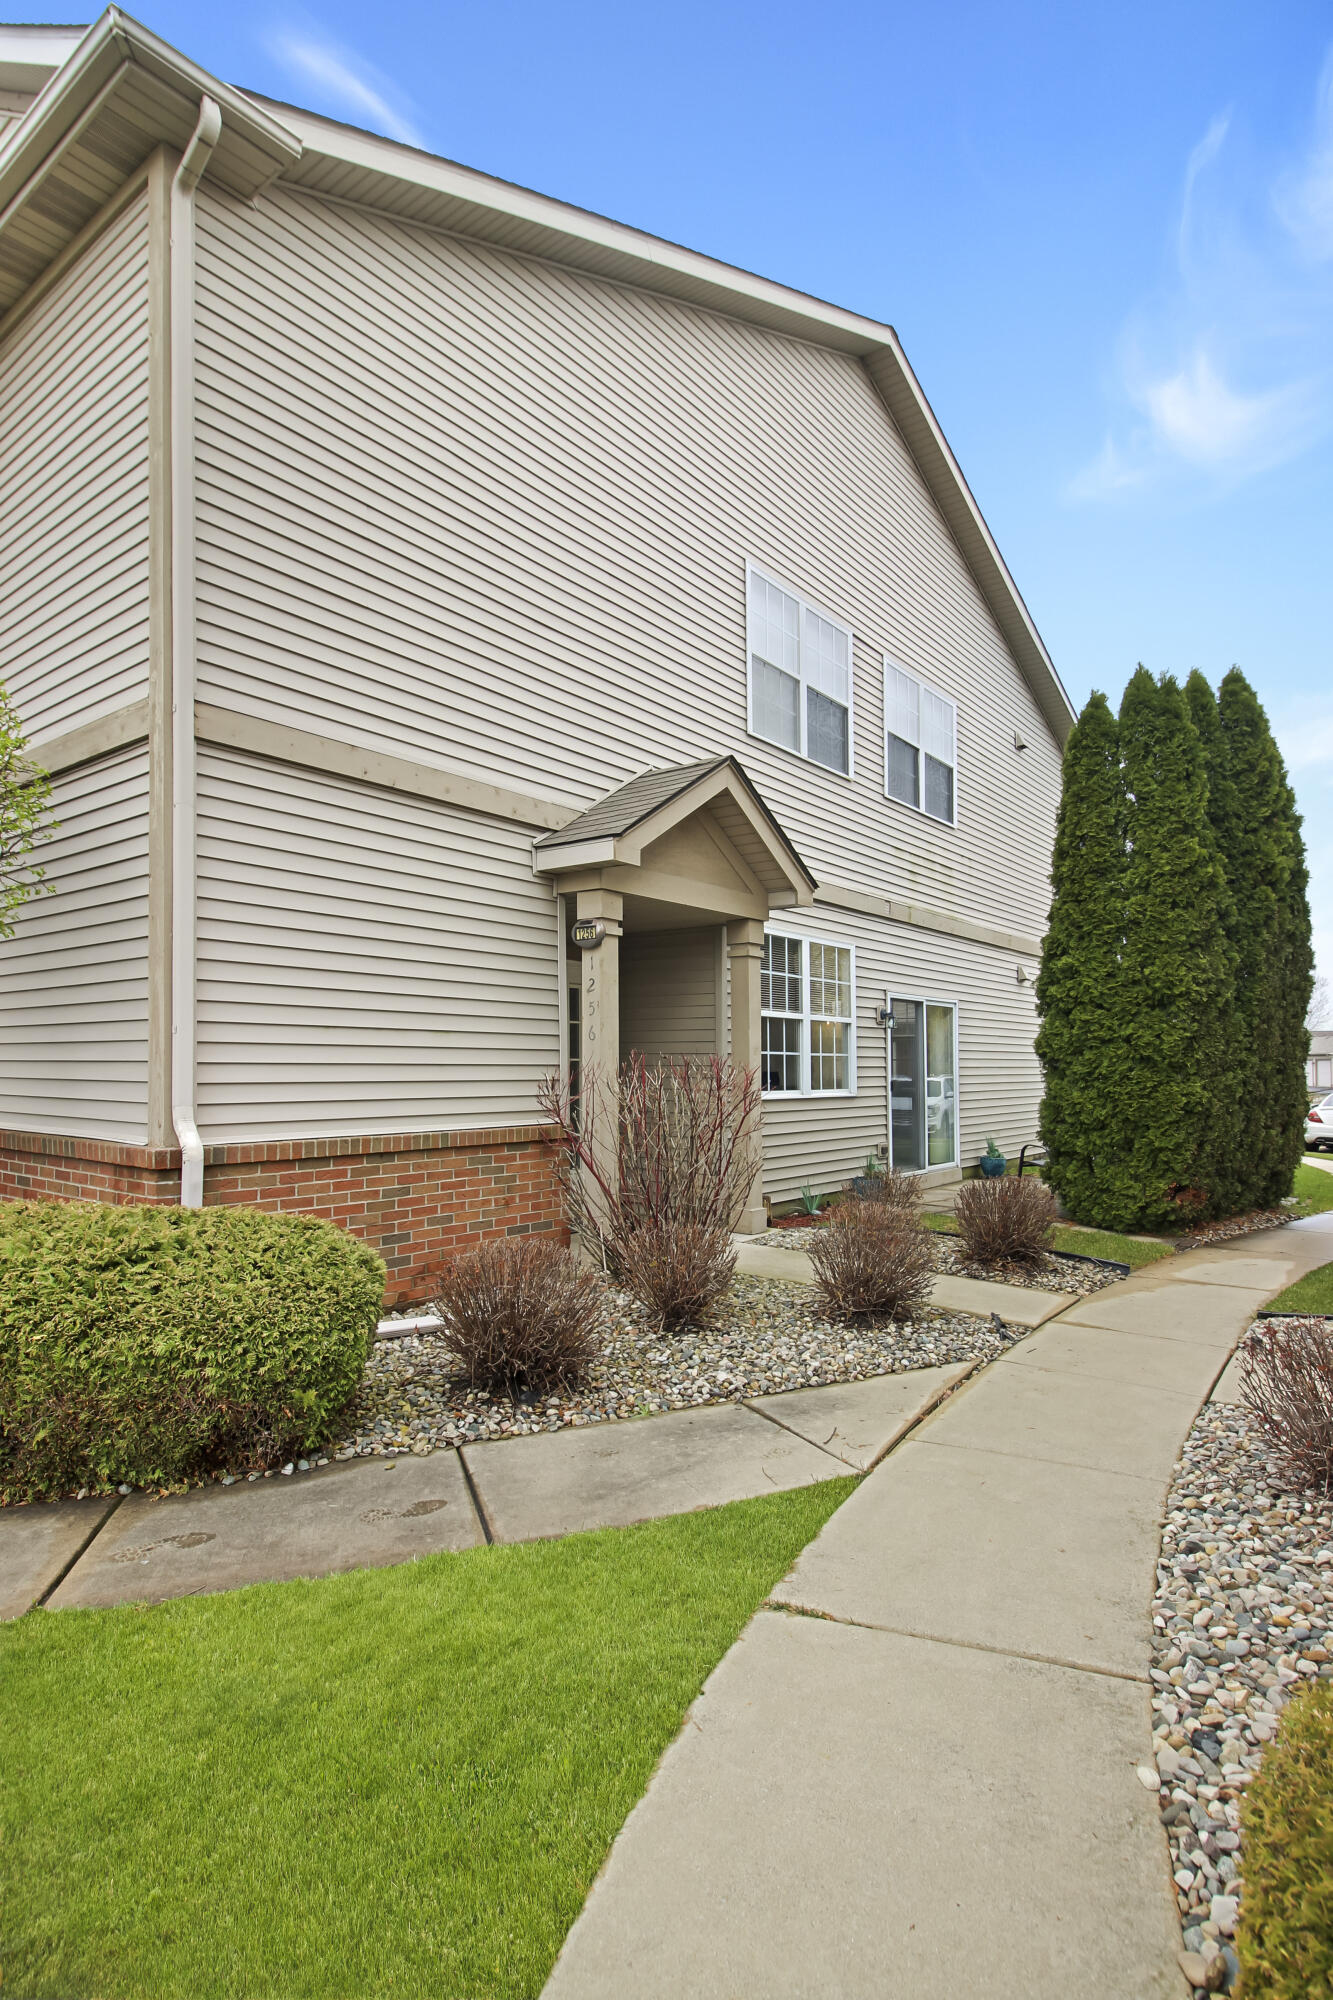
763,1339
1055,1273
1241,1618
1237,1225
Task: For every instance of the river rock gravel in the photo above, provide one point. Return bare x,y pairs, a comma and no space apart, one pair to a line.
1241,1619
763,1338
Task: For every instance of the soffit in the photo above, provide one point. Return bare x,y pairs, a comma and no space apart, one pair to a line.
120,95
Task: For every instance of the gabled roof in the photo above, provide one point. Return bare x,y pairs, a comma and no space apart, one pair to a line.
616,830
620,811
124,91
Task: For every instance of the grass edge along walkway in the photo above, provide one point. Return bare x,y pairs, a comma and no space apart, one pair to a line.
1311,1294
393,1782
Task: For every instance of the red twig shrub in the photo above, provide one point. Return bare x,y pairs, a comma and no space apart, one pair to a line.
872,1257
519,1314
677,1268
1006,1220
675,1176
1287,1390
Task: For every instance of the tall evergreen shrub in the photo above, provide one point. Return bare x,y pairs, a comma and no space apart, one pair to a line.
1232,1179
1177,967
1177,978
1078,985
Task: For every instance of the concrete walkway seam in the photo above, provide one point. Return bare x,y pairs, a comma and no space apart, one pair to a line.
79,1553
475,1497
777,1605
940,1397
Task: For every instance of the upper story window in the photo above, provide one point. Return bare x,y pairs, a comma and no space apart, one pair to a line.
920,752
800,674
807,1017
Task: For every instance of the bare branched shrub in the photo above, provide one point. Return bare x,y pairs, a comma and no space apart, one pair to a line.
520,1314
892,1187
1006,1220
674,1145
677,1268
1287,1390
872,1257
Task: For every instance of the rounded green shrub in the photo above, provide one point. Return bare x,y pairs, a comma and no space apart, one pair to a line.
149,1346
1285,1942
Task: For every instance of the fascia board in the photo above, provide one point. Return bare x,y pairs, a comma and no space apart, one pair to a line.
566,234
575,854
112,44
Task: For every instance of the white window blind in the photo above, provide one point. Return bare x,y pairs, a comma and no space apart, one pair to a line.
800,675
920,749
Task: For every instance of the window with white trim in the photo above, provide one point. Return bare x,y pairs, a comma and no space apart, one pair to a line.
807,1017
920,750
800,674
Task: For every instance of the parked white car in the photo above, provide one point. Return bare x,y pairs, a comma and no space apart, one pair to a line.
1319,1125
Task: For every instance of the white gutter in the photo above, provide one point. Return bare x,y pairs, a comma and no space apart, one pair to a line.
193,165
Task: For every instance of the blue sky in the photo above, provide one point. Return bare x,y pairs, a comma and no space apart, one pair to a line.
1105,236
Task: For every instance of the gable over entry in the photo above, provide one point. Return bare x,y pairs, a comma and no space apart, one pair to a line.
675,850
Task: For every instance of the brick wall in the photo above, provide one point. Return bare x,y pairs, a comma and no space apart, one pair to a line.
418,1197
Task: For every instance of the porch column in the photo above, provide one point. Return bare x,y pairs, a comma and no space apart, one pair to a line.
745,950
599,1019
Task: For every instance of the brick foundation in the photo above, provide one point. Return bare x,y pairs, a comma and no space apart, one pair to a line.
418,1197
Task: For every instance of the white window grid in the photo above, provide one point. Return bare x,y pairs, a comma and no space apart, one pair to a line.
926,722
799,665
807,987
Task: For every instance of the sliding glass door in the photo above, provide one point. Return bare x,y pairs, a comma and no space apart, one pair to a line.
923,1084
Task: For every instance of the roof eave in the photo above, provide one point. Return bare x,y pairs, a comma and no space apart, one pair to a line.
113,46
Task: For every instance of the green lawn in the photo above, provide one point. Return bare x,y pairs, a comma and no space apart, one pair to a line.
1313,1188
399,1782
1082,1242
1311,1294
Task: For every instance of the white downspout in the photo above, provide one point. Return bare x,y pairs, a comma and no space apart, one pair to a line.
188,174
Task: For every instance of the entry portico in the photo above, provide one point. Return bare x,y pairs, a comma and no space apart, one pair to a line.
692,851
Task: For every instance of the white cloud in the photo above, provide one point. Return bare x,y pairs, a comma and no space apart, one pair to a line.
1304,198
1227,370
1196,414
342,79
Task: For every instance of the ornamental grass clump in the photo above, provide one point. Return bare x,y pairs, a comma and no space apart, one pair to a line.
1005,1221
872,1258
1285,1939
150,1346
1287,1390
520,1315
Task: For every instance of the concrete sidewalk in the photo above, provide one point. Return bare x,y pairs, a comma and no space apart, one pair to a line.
913,1776
94,1553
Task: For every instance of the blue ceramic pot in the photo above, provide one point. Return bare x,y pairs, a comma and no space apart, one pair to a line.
993,1165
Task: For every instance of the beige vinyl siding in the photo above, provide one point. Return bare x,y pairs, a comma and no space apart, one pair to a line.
669,992
495,513
367,962
74,488
74,977
824,1140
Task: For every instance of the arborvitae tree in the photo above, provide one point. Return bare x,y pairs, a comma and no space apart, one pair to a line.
1230,1176
1078,984
1176,981
1265,858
